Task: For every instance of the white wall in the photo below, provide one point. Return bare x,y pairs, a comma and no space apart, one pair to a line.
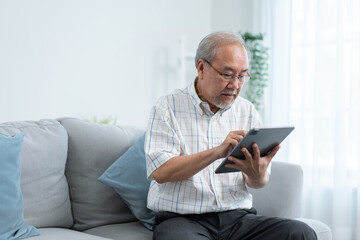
101,58
87,58
232,15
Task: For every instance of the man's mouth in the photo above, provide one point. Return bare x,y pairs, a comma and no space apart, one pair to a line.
229,93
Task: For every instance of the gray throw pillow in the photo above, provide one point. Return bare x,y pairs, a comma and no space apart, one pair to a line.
93,148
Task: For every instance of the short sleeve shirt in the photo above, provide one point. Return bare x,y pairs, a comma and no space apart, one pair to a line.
182,124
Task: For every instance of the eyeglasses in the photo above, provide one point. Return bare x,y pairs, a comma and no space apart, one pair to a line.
228,77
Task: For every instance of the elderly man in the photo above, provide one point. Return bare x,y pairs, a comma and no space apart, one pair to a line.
189,133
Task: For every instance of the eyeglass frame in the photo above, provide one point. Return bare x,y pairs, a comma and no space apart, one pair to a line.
229,77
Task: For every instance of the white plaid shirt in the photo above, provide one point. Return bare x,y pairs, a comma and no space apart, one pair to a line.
181,124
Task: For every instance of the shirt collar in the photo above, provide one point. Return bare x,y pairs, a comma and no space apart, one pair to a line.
198,103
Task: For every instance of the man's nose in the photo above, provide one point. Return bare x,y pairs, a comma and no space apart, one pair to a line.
235,83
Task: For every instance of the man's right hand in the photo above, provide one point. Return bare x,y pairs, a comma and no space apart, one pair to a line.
231,140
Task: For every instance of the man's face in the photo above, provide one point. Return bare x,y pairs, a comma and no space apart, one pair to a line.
211,86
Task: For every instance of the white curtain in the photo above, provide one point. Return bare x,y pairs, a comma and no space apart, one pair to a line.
315,86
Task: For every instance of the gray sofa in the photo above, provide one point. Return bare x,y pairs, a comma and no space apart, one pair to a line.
61,161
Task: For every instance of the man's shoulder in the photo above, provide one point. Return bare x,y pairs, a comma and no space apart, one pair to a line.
243,107
175,95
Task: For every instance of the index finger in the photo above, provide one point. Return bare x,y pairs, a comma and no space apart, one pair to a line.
240,132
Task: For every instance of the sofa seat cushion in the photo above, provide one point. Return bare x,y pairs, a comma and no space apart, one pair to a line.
128,231
93,147
63,233
43,182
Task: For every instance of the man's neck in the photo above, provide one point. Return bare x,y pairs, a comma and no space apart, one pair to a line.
213,108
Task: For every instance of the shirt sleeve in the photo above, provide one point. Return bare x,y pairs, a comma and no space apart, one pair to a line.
161,142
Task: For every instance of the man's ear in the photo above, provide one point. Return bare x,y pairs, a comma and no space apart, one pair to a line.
200,68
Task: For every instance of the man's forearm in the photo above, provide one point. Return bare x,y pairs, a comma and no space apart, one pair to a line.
183,167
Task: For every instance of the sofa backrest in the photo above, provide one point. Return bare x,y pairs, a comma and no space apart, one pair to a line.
43,183
282,196
92,148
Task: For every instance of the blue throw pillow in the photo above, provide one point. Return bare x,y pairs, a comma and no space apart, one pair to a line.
127,176
11,207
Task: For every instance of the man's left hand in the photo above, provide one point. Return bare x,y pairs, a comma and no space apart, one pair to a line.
254,166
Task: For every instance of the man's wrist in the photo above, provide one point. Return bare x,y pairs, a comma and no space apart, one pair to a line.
256,183
217,152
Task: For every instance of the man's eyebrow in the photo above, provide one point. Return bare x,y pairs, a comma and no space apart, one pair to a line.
233,70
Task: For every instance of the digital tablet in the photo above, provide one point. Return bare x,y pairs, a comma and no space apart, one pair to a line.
265,138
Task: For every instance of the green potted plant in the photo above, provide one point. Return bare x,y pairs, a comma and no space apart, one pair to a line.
104,120
259,68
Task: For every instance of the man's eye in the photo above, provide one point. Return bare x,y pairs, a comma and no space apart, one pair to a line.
226,75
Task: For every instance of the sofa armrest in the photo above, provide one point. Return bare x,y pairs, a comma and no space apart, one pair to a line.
281,197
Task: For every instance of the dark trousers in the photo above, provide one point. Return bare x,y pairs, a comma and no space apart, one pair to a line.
234,225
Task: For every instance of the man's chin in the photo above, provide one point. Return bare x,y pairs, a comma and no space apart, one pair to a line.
225,102
223,105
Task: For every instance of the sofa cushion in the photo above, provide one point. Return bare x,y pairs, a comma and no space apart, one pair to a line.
127,175
43,182
93,147
11,207
64,234
128,231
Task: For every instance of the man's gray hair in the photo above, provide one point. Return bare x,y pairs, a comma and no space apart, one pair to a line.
209,45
